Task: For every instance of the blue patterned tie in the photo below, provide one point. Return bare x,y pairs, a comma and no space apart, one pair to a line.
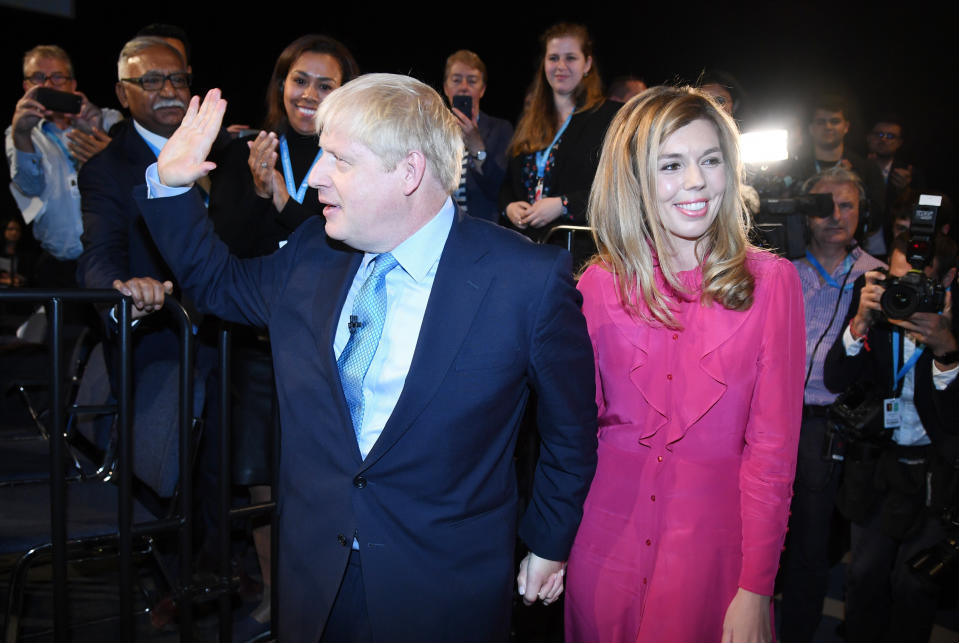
366,326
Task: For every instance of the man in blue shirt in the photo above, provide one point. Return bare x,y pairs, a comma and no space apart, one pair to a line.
45,150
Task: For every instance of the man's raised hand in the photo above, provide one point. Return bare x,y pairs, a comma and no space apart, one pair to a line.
183,159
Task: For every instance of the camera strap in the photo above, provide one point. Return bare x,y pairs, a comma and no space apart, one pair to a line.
899,373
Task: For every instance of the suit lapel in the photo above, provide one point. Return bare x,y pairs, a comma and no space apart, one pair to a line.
457,292
326,314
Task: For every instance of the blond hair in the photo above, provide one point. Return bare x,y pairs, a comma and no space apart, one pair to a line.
624,212
394,115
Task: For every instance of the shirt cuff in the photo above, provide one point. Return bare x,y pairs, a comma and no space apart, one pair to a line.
942,379
113,317
157,190
852,346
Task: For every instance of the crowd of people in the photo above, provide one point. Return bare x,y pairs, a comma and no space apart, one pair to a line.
392,325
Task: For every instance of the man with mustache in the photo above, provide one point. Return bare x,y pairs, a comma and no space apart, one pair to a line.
154,85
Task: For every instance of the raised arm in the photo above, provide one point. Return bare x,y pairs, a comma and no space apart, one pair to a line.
218,282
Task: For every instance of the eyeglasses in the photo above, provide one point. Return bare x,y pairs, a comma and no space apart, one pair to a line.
886,135
56,78
155,82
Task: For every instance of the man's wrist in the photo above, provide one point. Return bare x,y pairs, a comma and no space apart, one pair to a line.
858,328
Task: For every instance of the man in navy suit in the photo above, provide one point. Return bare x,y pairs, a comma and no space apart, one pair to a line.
398,500
153,83
116,244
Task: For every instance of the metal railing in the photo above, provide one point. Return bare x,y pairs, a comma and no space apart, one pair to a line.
54,300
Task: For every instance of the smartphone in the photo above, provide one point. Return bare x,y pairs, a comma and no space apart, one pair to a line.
57,101
464,104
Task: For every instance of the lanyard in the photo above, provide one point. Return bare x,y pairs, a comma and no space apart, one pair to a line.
825,275
543,155
296,194
898,375
51,132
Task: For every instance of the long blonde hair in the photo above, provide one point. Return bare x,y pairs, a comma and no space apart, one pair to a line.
623,207
537,126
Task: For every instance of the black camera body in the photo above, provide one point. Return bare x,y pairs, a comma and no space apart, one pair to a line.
915,292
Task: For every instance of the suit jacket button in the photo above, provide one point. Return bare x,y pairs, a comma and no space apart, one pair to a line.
359,482
340,538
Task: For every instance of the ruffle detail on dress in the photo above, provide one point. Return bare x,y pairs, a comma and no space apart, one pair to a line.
700,374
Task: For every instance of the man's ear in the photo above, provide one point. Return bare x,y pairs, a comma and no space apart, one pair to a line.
413,169
122,94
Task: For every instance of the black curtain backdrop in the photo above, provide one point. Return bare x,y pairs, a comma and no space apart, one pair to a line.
781,53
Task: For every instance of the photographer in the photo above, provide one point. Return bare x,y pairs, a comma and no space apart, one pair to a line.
832,264
896,480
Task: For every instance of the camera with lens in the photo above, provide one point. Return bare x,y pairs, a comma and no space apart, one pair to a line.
780,225
856,416
914,292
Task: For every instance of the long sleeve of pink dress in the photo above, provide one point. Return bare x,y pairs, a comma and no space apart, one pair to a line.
698,432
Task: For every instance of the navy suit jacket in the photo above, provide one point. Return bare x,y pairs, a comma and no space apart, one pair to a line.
116,241
434,504
482,190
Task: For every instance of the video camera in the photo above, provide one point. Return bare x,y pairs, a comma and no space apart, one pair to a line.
781,223
914,292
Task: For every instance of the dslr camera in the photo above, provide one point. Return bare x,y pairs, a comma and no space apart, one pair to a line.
914,292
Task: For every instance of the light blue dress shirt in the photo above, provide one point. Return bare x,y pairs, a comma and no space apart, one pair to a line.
408,288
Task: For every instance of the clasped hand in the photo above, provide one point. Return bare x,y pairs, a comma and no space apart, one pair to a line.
539,578
146,292
534,215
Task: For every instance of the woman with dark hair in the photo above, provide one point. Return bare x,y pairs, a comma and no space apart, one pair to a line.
258,197
555,149
699,341
259,193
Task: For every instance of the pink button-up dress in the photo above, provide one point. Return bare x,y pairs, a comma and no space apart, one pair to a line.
698,431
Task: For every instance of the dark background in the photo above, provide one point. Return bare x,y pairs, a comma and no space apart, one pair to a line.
781,52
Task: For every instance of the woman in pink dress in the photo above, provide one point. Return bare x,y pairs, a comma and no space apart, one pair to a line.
699,340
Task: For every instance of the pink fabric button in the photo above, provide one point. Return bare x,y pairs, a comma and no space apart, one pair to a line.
669,376
648,542
653,497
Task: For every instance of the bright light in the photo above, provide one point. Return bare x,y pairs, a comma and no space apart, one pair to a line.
764,146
